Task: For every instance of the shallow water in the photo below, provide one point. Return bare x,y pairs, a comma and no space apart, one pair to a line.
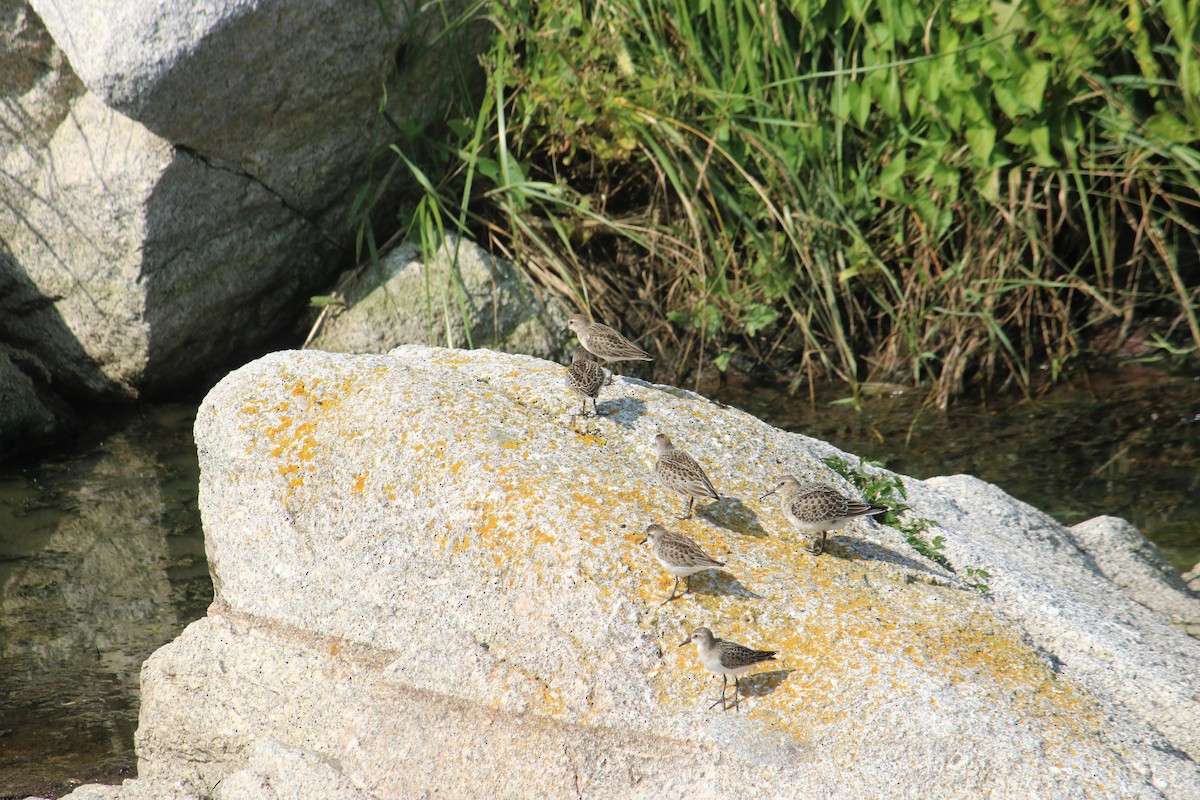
101,563
102,557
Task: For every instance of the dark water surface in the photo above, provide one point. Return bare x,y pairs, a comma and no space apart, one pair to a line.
102,557
101,563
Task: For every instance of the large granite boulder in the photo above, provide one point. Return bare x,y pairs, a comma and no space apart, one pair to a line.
429,582
175,179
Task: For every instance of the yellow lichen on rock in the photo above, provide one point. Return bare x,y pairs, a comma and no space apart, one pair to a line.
451,515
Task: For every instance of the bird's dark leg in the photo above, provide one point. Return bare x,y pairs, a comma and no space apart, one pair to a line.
595,413
721,699
672,597
688,515
819,545
736,687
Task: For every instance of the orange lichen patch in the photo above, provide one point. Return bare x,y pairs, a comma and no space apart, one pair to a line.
360,481
450,360
587,500
307,443
591,439
293,427
334,649
855,646
275,431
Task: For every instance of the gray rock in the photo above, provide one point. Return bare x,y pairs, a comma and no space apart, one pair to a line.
30,413
1134,563
464,298
283,92
140,789
276,772
1094,630
175,180
427,572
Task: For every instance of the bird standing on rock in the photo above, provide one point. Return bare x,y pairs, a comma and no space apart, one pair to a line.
679,472
604,342
726,658
584,378
818,508
679,555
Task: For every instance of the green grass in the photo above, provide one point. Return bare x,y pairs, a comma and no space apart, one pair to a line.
968,192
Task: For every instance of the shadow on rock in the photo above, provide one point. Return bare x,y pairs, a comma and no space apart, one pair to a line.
732,514
623,410
855,548
721,582
763,683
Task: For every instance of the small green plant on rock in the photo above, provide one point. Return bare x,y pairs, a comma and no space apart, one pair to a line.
889,490
977,578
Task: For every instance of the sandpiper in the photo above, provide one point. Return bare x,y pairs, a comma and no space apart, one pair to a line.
818,508
679,555
726,658
585,377
603,341
679,472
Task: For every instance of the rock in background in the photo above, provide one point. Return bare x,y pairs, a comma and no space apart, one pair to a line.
29,411
1134,563
463,297
429,582
175,179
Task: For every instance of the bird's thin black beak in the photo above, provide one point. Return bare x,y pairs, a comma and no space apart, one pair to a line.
685,641
768,494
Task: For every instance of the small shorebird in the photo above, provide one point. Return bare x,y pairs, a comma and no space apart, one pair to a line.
818,508
726,658
679,472
585,377
679,555
603,341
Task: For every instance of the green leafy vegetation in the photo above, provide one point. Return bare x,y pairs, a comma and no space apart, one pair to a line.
977,579
876,190
888,490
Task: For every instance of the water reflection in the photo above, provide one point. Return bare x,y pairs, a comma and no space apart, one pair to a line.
101,562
